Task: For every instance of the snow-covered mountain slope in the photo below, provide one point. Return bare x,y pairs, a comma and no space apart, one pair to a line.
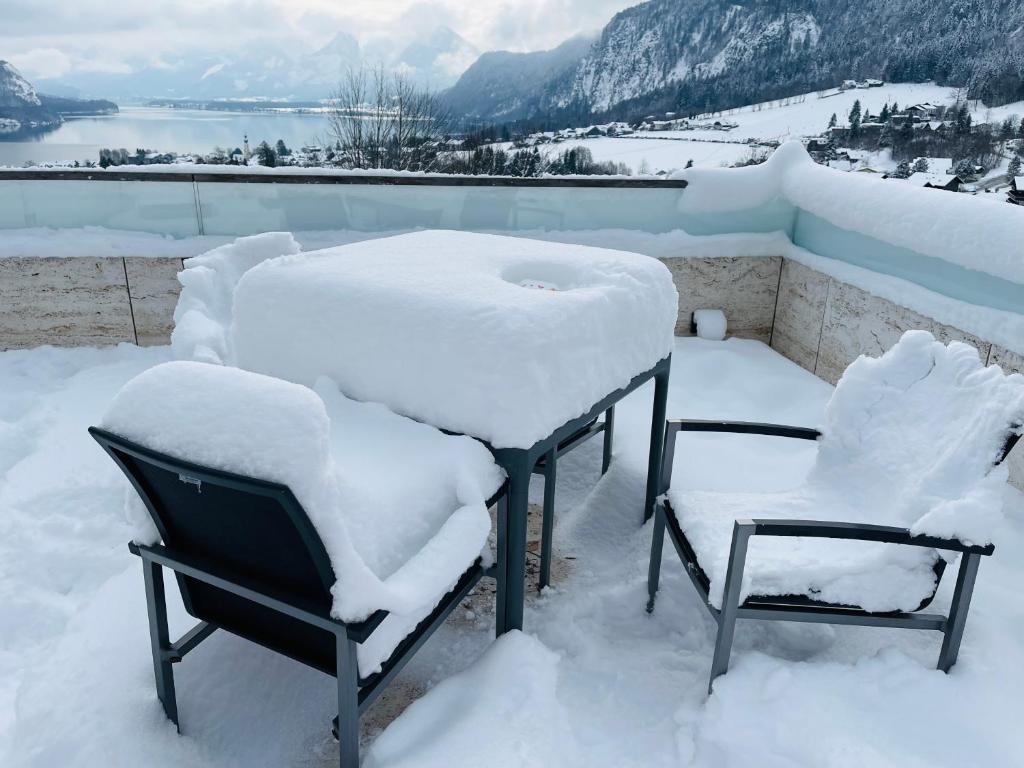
697,55
15,90
505,85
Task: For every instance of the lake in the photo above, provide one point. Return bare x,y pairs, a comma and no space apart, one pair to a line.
163,130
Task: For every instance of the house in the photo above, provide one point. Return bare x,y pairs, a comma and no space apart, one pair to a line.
872,83
936,181
1015,194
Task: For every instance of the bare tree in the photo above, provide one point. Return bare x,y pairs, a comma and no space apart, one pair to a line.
383,120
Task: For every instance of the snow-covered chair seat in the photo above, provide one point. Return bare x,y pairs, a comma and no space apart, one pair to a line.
367,528
502,338
908,475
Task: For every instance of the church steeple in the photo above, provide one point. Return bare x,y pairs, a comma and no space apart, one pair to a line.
247,153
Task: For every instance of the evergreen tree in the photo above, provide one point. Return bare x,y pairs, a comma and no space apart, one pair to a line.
963,119
265,155
902,170
281,149
855,116
1013,170
920,165
883,116
832,121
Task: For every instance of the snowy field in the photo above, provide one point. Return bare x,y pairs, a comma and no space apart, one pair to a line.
773,121
597,682
808,115
652,154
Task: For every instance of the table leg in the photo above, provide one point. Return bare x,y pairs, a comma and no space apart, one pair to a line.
658,414
501,555
609,437
511,593
548,523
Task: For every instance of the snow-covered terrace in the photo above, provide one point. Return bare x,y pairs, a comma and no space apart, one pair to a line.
809,264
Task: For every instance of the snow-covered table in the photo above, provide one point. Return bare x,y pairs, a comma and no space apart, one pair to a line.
519,343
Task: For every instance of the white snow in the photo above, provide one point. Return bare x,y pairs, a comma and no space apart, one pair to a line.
203,312
76,679
96,242
399,506
909,440
502,711
808,114
959,229
650,154
438,326
711,324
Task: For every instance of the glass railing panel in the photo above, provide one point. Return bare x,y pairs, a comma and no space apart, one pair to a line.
245,208
163,207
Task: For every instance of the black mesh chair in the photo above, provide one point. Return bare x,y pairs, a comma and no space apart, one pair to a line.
271,586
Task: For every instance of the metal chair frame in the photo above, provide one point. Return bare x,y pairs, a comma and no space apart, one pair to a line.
355,693
803,608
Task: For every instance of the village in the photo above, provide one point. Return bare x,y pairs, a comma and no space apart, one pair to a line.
926,144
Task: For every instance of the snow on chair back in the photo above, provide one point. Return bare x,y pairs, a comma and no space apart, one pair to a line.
230,463
918,431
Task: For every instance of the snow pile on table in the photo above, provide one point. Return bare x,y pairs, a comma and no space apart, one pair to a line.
203,312
501,711
959,229
910,440
399,533
438,326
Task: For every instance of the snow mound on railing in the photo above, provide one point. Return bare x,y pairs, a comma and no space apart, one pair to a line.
957,228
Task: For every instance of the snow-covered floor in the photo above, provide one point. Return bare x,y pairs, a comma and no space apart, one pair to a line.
600,684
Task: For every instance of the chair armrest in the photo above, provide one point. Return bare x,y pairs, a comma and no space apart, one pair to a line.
743,427
674,426
205,571
857,531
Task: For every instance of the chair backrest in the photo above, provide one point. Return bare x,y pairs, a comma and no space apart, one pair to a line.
247,529
228,463
923,424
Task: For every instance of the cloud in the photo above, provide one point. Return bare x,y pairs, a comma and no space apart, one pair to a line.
48,38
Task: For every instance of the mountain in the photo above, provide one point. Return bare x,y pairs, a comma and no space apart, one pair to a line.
438,59
23,110
506,86
278,71
698,55
15,91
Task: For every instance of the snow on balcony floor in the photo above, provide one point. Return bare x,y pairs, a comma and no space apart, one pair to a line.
618,687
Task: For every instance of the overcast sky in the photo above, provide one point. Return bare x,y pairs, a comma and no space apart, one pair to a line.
46,38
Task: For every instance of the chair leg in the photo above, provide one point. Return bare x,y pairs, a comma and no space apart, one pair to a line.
347,729
548,521
657,545
609,437
954,631
741,532
159,638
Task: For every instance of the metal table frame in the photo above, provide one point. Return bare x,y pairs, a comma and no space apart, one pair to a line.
520,463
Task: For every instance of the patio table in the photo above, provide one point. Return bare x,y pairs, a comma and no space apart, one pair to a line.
518,343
